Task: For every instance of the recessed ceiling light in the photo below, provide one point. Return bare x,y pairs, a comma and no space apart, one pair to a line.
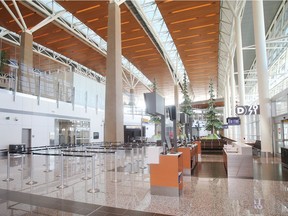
202,26
135,38
186,37
185,20
86,9
191,8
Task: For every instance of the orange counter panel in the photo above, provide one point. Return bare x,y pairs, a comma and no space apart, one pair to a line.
168,173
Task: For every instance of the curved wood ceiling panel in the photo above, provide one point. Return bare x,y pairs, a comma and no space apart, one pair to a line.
136,45
56,38
194,27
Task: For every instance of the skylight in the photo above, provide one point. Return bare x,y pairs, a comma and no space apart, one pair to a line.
92,36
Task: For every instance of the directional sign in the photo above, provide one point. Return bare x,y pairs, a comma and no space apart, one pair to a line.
248,110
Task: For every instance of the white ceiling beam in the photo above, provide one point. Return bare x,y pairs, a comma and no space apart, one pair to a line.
20,15
12,14
46,21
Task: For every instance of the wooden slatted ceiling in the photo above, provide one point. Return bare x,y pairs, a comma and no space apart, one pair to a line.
194,27
55,38
40,62
136,45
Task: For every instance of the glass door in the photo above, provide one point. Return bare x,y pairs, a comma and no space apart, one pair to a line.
278,138
285,132
281,135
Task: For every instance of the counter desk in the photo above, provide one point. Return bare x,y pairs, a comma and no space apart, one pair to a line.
238,160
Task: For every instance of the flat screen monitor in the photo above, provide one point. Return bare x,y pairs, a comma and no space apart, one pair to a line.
168,142
172,112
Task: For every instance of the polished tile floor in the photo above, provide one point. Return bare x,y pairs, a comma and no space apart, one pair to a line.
64,191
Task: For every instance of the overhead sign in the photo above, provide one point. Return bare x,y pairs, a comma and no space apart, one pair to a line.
247,110
233,121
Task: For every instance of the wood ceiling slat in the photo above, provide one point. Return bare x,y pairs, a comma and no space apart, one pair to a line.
134,39
187,35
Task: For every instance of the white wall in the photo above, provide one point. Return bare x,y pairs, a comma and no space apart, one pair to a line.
136,121
24,112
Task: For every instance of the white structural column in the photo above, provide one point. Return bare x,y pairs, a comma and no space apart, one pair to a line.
26,57
228,109
232,96
263,77
176,102
241,87
114,131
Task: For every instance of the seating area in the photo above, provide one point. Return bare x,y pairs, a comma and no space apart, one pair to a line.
212,145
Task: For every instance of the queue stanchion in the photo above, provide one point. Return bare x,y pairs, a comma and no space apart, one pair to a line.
93,189
8,179
47,161
62,173
31,182
142,158
22,162
86,177
116,171
132,161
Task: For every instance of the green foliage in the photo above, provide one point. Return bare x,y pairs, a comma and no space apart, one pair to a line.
212,121
155,119
186,105
2,59
154,86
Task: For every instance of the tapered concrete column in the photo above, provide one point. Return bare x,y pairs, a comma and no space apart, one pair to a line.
26,57
114,130
232,96
226,107
176,102
176,96
263,77
241,87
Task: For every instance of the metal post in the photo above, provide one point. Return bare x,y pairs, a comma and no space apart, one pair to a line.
132,162
93,189
8,179
73,98
86,177
22,161
115,171
47,161
62,173
142,158
47,164
15,85
58,94
39,90
31,182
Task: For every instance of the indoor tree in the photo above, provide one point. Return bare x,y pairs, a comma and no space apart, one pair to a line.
186,105
155,118
2,60
212,120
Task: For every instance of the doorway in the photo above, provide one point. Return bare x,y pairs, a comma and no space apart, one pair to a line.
281,135
26,137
